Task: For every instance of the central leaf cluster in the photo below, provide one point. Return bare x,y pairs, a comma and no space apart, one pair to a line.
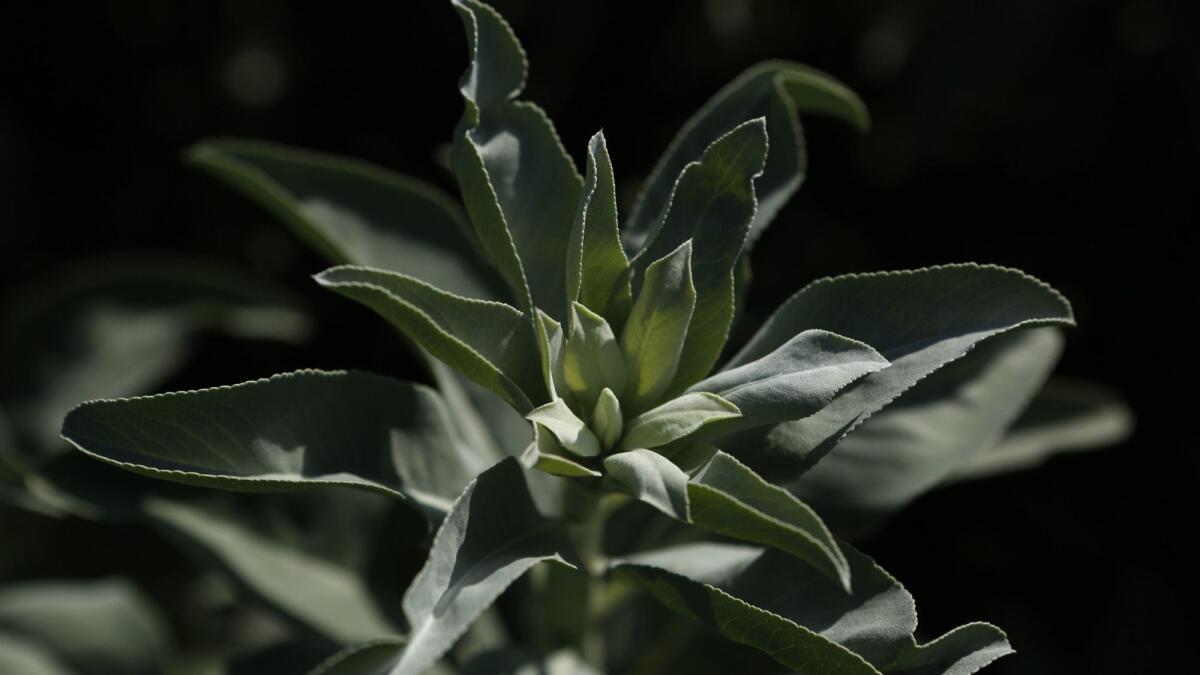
613,393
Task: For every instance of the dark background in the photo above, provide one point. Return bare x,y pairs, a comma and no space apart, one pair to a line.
1058,137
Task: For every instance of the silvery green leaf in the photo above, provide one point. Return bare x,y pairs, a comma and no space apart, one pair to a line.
962,651
504,152
919,320
491,536
552,352
353,212
775,90
607,419
591,359
1066,416
570,431
653,479
286,433
711,205
653,337
102,627
797,379
117,328
332,599
956,413
727,497
291,551
777,604
676,419
597,268
489,342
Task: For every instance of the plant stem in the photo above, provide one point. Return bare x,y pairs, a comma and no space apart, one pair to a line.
588,511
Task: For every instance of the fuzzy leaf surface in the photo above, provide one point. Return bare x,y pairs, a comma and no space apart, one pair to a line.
353,212
919,320
957,413
488,342
711,206
775,90
285,433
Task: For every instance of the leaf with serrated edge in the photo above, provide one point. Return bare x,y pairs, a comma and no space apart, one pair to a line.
711,205
353,212
597,268
284,433
676,419
962,651
506,150
776,90
797,379
919,320
491,536
958,412
653,337
781,606
727,497
770,601
489,342
120,327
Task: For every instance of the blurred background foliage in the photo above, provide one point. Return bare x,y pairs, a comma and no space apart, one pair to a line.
1058,137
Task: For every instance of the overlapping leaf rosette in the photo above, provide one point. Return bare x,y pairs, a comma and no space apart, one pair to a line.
573,355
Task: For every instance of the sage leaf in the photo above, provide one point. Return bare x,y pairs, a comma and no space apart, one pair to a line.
552,345
924,436
504,151
591,359
597,268
919,320
329,598
652,340
491,536
489,342
795,380
653,479
1068,415
557,465
607,419
962,651
284,433
728,498
676,419
775,90
101,627
120,327
773,602
353,212
574,435
291,551
711,205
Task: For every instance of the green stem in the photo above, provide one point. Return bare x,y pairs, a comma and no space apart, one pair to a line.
588,511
